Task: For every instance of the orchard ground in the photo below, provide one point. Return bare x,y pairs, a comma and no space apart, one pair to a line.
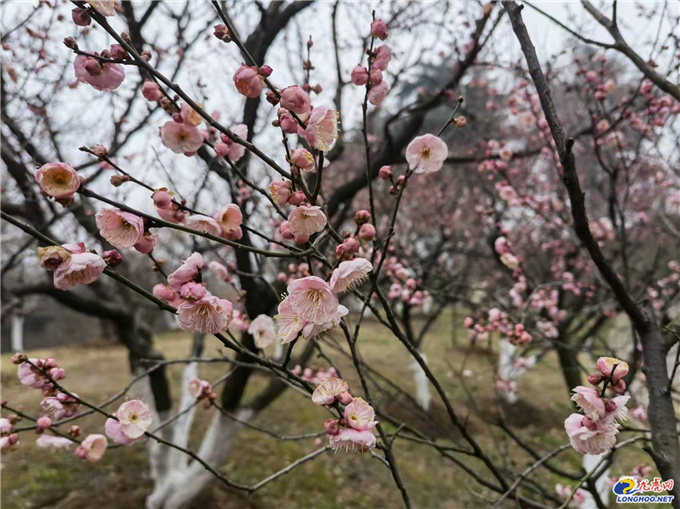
35,478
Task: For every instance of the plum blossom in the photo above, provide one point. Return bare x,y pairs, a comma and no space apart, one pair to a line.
313,299
280,190
379,29
248,81
121,229
377,94
58,180
134,417
92,448
605,365
203,223
100,75
263,330
219,270
82,269
359,75
289,322
353,440
327,390
229,148
306,220
199,389
51,257
381,57
60,406
296,100
322,128
360,415
104,7
589,437
180,137
147,244
303,159
114,431
589,401
230,218
426,154
53,443
188,271
209,315
350,274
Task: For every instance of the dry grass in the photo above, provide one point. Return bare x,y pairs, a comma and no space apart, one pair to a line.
33,478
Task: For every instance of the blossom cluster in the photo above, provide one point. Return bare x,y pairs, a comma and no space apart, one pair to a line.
594,431
354,431
132,419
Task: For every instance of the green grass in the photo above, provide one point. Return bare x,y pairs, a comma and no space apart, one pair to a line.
33,478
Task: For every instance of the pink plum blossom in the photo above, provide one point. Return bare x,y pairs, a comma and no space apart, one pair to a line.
377,94
379,29
204,224
92,448
104,7
280,190
60,406
426,154
382,57
229,217
313,299
101,75
322,128
51,257
147,243
209,315
58,180
53,443
306,220
359,75
188,271
181,138
303,159
219,270
360,415
83,269
589,401
296,100
134,417
263,330
289,322
353,440
327,390
192,291
121,229
589,437
605,365
114,431
350,274
198,388
248,81
151,91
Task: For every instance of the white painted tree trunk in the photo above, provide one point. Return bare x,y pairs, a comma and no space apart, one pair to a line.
182,426
423,396
183,483
17,333
506,368
590,461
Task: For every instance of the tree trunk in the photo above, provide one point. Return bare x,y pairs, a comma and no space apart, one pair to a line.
17,333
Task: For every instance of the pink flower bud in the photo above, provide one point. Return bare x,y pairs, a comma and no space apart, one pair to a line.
44,422
74,430
379,29
367,232
359,75
221,149
81,17
272,98
297,198
222,33
266,71
297,370
147,243
595,379
301,239
362,217
57,374
151,91
376,77
460,122
618,386
285,231
351,245
331,426
112,258
345,398
162,199
100,151
385,172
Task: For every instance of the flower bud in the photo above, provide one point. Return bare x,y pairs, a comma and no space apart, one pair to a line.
100,151
44,422
112,258
222,33
367,232
362,217
272,98
81,17
266,71
301,239
19,358
297,198
51,257
385,172
345,398
460,122
331,426
71,43
119,180
118,52
379,29
74,430
595,379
